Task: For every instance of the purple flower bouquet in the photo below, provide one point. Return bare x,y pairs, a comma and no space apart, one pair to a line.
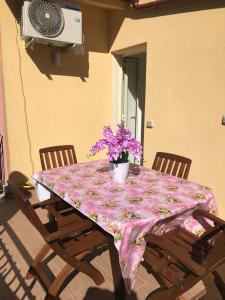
119,145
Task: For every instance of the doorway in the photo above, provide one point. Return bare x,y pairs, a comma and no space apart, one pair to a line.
129,92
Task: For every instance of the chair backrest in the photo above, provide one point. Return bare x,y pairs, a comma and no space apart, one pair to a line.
172,164
24,204
57,156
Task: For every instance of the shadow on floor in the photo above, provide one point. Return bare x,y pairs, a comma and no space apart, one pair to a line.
11,280
97,294
8,209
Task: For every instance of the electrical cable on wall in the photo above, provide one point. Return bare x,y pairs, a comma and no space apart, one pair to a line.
24,103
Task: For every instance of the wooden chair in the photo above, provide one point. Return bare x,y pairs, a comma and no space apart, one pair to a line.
179,259
73,239
172,164
57,156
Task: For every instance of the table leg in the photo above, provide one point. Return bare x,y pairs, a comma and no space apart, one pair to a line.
119,285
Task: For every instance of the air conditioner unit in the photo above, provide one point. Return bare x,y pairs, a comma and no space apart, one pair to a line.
51,22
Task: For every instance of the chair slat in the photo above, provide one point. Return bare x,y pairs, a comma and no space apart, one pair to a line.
186,172
175,168
47,161
181,170
157,163
170,166
164,165
65,160
182,243
85,242
59,159
70,157
53,159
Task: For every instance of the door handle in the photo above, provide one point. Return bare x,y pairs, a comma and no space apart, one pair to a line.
133,117
123,118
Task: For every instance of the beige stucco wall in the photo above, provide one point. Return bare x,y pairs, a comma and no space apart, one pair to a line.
185,93
3,129
64,105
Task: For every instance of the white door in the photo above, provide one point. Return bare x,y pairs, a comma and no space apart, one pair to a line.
130,96
129,76
133,94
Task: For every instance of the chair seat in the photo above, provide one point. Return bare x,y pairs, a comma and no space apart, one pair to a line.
86,243
192,225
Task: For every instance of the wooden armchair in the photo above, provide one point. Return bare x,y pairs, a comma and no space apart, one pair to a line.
57,156
71,238
172,164
179,259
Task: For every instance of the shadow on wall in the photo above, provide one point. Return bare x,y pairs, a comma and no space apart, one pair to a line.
54,61
95,31
175,8
170,9
19,178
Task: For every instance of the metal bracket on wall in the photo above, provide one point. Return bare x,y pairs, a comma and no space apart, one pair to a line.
75,48
223,120
29,43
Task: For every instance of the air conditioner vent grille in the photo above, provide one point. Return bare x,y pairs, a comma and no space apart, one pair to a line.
46,17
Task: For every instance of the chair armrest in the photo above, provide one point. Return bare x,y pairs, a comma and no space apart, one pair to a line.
211,231
176,252
42,204
63,232
200,216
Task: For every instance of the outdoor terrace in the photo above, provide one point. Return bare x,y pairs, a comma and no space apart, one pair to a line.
20,242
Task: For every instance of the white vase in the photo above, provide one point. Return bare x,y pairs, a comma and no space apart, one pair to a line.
119,172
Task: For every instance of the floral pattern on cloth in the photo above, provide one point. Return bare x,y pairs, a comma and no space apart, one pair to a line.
148,201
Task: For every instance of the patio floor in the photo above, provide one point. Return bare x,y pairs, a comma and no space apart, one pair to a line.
20,242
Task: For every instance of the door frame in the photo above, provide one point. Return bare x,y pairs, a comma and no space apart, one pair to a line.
117,78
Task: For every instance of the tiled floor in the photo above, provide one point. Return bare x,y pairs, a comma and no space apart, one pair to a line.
19,243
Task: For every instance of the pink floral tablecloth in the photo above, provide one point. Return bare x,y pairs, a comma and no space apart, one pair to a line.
148,201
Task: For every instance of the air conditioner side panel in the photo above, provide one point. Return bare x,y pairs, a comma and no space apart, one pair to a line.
72,31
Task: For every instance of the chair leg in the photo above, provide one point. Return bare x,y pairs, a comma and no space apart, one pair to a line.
59,280
220,283
91,271
79,265
50,297
39,258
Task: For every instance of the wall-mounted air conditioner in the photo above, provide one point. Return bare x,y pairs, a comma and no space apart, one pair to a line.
51,22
